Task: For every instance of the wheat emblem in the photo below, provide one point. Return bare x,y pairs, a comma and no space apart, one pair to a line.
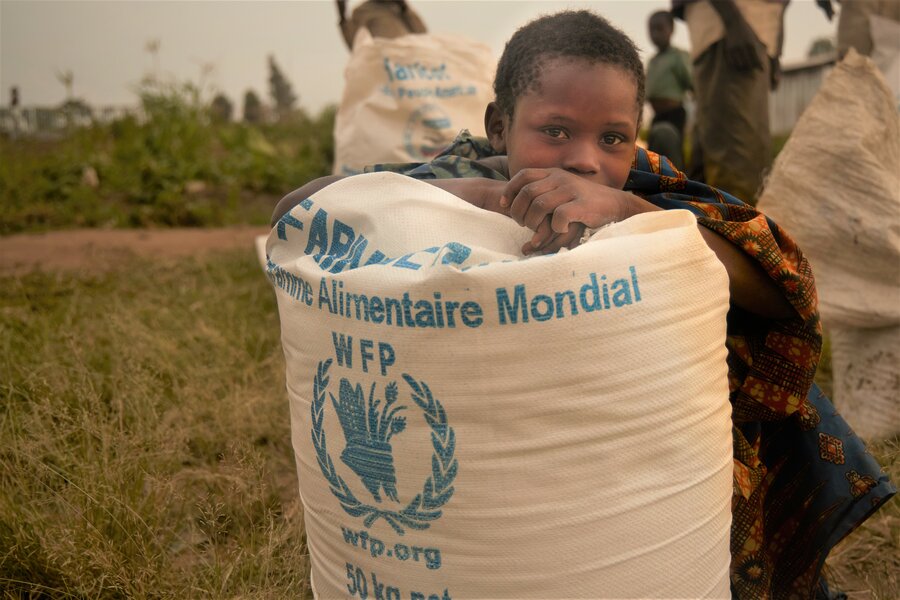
368,433
368,427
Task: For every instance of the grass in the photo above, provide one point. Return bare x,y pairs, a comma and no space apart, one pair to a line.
175,166
144,437
145,442
866,565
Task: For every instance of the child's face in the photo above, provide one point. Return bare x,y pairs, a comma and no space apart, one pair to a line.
583,117
660,31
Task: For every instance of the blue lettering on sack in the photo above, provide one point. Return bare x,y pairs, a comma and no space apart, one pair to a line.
596,294
437,91
337,247
400,311
296,287
415,71
428,131
377,548
343,350
284,222
359,586
425,596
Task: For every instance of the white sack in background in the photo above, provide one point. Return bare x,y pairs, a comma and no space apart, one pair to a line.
886,51
406,99
471,424
836,188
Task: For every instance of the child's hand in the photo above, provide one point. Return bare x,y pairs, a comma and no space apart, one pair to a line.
558,204
546,241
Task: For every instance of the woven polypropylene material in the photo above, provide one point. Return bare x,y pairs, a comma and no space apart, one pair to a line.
839,196
568,436
406,99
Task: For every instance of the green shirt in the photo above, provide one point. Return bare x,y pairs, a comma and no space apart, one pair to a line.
669,75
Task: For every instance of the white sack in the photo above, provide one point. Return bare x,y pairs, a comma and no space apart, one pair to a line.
406,99
886,51
544,451
867,378
259,244
836,188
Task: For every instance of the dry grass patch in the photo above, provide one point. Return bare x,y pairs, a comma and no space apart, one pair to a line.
145,441
866,564
145,436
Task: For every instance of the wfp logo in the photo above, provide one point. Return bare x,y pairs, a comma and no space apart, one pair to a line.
368,427
429,130
368,434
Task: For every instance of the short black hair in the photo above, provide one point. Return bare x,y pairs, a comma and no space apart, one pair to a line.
578,34
666,14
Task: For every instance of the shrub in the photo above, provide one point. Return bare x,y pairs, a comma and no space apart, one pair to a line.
124,474
169,165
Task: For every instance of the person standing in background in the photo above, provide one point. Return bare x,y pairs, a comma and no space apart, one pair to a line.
15,111
668,81
854,27
383,18
735,46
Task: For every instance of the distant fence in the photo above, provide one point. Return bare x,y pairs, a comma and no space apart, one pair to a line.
38,120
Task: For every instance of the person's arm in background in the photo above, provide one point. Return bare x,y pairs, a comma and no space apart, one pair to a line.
348,29
683,73
741,42
677,8
826,7
775,61
413,22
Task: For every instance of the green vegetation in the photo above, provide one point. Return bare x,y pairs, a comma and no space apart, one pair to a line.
145,441
145,436
144,427
176,165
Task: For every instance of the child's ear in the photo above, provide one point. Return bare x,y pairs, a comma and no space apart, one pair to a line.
495,127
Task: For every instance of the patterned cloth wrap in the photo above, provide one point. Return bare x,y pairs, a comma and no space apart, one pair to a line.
802,479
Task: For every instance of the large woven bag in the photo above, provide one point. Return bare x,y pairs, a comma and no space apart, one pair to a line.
469,423
836,187
406,99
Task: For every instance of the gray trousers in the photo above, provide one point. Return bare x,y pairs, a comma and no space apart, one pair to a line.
733,122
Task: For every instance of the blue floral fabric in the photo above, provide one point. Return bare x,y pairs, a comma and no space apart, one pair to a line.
803,480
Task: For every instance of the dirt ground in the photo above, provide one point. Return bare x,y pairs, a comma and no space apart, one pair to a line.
98,250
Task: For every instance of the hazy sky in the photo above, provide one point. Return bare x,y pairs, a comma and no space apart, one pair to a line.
104,43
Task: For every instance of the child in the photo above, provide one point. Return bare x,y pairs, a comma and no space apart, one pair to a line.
561,156
668,81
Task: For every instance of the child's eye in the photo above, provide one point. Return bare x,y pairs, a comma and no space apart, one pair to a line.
612,139
556,132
